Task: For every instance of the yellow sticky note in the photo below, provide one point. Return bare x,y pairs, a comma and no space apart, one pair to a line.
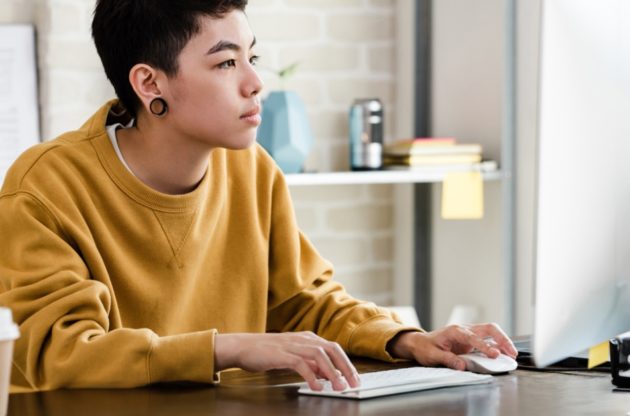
598,354
462,196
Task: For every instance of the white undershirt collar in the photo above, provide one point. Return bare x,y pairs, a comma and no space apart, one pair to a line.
113,137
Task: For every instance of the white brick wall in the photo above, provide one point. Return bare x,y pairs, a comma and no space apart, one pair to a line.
352,227
16,11
73,83
346,50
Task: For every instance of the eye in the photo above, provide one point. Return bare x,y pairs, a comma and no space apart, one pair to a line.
254,60
227,64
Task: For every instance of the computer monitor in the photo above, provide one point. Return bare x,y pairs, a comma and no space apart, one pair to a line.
582,225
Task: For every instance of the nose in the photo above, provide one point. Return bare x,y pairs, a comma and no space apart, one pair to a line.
252,84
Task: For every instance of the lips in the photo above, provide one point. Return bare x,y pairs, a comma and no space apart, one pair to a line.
252,117
252,113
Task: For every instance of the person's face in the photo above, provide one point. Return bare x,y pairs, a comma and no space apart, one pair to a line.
214,98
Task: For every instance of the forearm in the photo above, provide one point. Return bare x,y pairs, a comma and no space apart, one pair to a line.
67,340
361,328
83,355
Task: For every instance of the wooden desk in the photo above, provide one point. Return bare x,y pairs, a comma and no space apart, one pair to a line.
241,393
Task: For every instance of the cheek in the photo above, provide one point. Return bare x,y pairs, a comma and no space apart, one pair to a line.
201,102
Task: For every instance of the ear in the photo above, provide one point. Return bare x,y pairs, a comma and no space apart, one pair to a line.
145,81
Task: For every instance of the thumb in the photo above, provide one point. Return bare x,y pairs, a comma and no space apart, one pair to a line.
450,360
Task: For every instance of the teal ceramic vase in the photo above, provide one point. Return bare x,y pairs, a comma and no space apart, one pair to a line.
285,132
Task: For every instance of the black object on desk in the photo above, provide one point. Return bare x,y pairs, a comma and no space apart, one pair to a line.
620,366
578,362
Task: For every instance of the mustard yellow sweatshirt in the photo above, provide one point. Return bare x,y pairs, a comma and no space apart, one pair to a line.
114,284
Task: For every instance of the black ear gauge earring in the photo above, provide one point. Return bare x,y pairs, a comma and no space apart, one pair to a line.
158,107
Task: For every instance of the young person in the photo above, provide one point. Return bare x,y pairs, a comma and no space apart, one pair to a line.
157,243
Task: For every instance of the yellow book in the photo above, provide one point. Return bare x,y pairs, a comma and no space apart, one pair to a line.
430,147
404,146
432,160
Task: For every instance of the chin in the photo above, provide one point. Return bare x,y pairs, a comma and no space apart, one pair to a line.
242,143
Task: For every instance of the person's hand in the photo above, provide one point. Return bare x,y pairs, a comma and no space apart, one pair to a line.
309,355
442,346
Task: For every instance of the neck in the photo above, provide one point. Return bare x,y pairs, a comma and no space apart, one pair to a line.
162,159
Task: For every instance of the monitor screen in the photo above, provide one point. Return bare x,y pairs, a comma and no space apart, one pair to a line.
582,226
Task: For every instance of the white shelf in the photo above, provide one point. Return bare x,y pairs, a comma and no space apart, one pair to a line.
428,175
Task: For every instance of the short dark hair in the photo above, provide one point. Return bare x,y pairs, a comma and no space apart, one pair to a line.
154,32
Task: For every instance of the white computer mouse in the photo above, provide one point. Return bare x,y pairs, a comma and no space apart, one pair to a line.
480,363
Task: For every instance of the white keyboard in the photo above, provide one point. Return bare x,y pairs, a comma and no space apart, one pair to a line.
403,380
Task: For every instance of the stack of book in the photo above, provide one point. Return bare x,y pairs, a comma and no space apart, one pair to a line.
437,152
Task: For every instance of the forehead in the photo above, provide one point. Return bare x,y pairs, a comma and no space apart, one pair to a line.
232,26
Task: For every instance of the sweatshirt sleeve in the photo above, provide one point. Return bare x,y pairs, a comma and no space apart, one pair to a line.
66,337
303,296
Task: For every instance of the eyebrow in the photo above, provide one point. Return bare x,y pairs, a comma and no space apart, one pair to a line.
223,45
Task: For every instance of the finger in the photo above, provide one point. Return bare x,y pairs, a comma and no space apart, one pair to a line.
507,348
503,342
448,359
325,366
315,368
467,337
438,351
338,357
300,366
343,363
313,365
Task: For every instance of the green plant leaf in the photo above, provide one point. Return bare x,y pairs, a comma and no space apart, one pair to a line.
286,72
